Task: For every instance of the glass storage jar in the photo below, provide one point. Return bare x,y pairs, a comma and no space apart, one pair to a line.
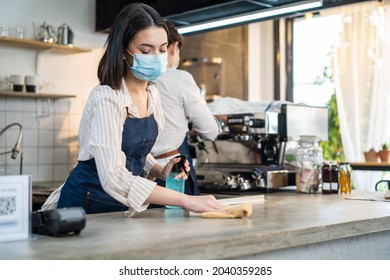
309,162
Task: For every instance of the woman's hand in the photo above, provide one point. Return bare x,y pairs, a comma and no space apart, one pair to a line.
183,173
192,203
202,203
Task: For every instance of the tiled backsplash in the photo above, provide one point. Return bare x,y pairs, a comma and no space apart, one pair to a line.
50,128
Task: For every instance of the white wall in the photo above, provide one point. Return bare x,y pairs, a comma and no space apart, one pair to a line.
260,61
50,142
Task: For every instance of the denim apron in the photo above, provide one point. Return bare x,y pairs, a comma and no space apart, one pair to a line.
83,188
191,184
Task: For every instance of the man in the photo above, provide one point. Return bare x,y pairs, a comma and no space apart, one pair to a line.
182,103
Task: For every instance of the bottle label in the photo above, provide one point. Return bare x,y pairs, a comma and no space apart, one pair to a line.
326,186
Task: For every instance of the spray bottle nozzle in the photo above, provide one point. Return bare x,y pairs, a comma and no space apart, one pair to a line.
181,163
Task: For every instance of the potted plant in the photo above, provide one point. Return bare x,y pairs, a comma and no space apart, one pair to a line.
384,153
371,155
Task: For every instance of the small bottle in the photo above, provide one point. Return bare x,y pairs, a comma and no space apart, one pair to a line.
334,185
175,184
326,178
345,178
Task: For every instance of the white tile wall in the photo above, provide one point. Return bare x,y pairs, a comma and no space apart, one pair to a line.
30,137
30,120
31,169
61,156
30,156
13,116
49,143
46,138
61,138
46,121
29,106
62,106
14,104
61,171
2,125
12,169
50,127
46,172
2,108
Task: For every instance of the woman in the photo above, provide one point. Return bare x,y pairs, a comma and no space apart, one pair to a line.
120,124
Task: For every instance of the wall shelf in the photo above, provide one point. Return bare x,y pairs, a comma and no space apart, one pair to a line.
38,45
34,95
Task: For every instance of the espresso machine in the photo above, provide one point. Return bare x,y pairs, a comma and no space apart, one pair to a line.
249,154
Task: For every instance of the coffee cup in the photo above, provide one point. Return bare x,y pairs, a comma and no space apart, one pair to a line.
17,81
31,83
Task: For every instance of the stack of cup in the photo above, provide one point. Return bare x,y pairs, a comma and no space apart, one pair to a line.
31,83
18,83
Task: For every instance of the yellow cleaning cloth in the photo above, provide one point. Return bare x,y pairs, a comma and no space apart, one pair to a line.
243,210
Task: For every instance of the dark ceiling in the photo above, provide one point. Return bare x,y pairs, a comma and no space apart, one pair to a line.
201,10
198,11
187,12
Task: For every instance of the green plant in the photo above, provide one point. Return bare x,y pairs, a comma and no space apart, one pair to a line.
385,146
333,148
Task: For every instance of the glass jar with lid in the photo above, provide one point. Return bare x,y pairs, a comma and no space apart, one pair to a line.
309,161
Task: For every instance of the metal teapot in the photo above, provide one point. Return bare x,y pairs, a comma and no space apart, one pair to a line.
45,33
65,35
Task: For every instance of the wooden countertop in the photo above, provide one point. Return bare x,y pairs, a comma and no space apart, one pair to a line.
284,220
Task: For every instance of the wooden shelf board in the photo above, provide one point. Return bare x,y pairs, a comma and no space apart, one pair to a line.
35,44
34,95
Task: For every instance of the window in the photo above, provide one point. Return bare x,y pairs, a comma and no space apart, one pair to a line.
313,85
312,52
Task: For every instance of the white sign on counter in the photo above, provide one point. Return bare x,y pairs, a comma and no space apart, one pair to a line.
15,207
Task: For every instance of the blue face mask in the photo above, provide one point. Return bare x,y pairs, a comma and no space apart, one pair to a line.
148,67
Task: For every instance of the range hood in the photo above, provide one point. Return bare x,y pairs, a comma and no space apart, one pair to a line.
189,14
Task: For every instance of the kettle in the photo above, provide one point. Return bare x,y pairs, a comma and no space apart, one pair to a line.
65,35
45,33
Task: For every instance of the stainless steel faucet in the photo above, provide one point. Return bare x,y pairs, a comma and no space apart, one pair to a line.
16,150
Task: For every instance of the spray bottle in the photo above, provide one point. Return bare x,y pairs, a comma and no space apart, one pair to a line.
176,184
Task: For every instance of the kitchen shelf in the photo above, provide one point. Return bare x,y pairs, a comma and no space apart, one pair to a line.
38,45
34,95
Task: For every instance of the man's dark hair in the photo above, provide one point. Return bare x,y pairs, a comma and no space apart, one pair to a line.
173,34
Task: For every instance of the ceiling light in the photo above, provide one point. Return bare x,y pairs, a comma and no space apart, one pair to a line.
308,16
250,17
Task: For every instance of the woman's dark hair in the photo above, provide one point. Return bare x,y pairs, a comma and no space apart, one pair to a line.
130,20
174,35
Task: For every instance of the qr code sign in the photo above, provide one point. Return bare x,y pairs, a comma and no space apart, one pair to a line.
7,205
